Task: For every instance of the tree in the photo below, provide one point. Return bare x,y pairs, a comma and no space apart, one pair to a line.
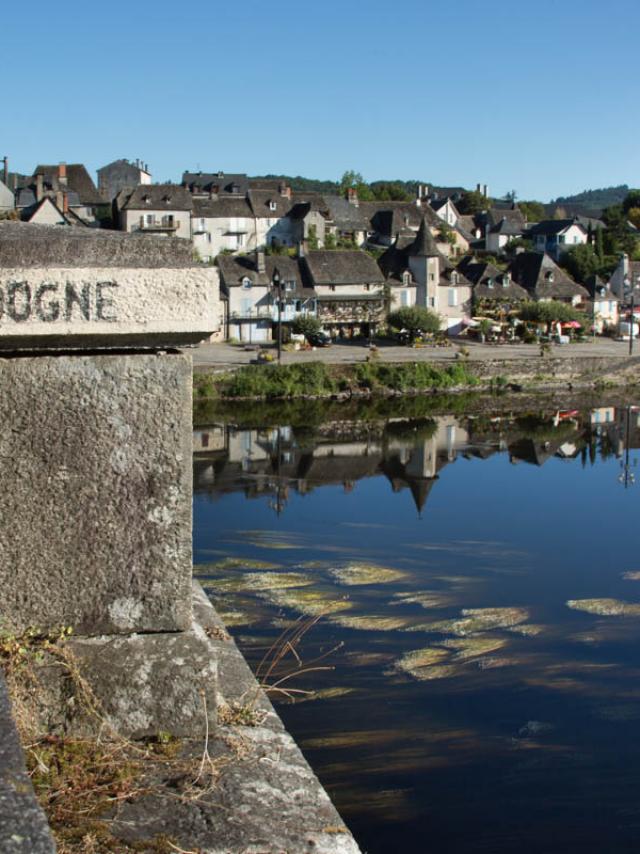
414,319
533,211
472,202
517,243
330,240
552,311
390,191
446,235
599,247
306,324
632,200
354,181
581,261
312,237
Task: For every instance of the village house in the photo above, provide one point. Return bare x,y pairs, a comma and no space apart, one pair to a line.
7,199
69,186
159,209
555,236
46,212
604,304
349,289
419,274
625,279
502,225
251,299
121,175
541,277
494,290
221,224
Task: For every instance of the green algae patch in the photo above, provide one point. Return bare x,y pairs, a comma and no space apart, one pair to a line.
237,618
233,563
527,630
474,646
631,576
313,603
605,607
370,623
427,599
475,621
424,664
274,580
356,574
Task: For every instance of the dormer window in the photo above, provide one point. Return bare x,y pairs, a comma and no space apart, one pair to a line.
246,283
166,199
146,200
273,206
549,276
490,283
454,277
406,278
506,280
602,291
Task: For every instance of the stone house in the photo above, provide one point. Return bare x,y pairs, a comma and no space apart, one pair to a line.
121,175
501,226
624,278
543,279
159,209
604,304
247,287
417,273
349,288
69,185
494,290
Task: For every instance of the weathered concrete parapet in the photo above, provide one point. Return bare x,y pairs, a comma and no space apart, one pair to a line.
95,509
80,289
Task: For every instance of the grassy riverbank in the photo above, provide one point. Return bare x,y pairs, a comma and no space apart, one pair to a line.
315,379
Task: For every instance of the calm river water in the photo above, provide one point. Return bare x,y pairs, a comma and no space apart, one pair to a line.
467,591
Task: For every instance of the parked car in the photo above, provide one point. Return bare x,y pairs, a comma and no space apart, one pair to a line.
319,339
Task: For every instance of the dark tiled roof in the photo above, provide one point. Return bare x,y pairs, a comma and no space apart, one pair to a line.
597,287
342,268
345,216
510,218
235,268
171,197
222,183
262,200
452,277
78,180
424,246
538,273
389,218
550,227
223,206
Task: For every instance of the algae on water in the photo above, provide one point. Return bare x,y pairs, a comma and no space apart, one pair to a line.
313,603
370,623
605,607
354,574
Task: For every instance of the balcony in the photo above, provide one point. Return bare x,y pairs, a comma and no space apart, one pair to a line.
157,224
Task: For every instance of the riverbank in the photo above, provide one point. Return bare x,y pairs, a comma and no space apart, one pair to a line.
379,378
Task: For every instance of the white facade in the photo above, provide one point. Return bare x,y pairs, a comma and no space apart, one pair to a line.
556,244
158,222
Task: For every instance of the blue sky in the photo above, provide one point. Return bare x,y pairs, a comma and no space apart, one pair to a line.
542,98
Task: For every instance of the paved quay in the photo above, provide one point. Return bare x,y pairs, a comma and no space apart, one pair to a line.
219,356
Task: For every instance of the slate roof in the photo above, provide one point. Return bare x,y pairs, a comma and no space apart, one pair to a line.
260,201
451,277
345,216
78,181
390,218
154,197
223,206
550,227
342,268
424,246
235,268
538,273
599,289
506,220
205,182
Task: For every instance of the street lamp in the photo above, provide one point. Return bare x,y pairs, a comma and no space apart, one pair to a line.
628,287
276,282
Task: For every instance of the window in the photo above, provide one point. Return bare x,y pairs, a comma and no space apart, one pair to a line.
432,302
240,240
246,283
273,206
561,238
404,298
406,278
290,285
454,278
453,297
490,283
432,277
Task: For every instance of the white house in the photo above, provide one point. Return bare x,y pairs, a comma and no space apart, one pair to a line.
556,236
159,209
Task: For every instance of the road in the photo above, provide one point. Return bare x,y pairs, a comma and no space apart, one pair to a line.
229,355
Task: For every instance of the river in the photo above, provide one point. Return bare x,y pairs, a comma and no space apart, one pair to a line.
447,610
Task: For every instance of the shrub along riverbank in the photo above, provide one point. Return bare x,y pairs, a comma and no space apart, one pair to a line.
315,379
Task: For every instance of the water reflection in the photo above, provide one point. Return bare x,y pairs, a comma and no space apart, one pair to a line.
478,572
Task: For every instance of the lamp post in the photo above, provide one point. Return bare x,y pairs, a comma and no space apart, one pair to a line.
277,285
629,288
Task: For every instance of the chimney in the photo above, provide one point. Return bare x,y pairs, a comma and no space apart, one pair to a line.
62,174
260,262
478,188
39,186
59,200
65,202
485,191
352,196
5,170
284,190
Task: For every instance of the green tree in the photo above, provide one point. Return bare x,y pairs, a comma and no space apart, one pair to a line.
390,191
516,243
414,319
632,200
534,211
446,235
599,247
330,241
306,324
473,202
312,237
552,311
581,261
355,181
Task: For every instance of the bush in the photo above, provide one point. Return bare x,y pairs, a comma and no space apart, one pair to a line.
414,319
306,324
272,381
